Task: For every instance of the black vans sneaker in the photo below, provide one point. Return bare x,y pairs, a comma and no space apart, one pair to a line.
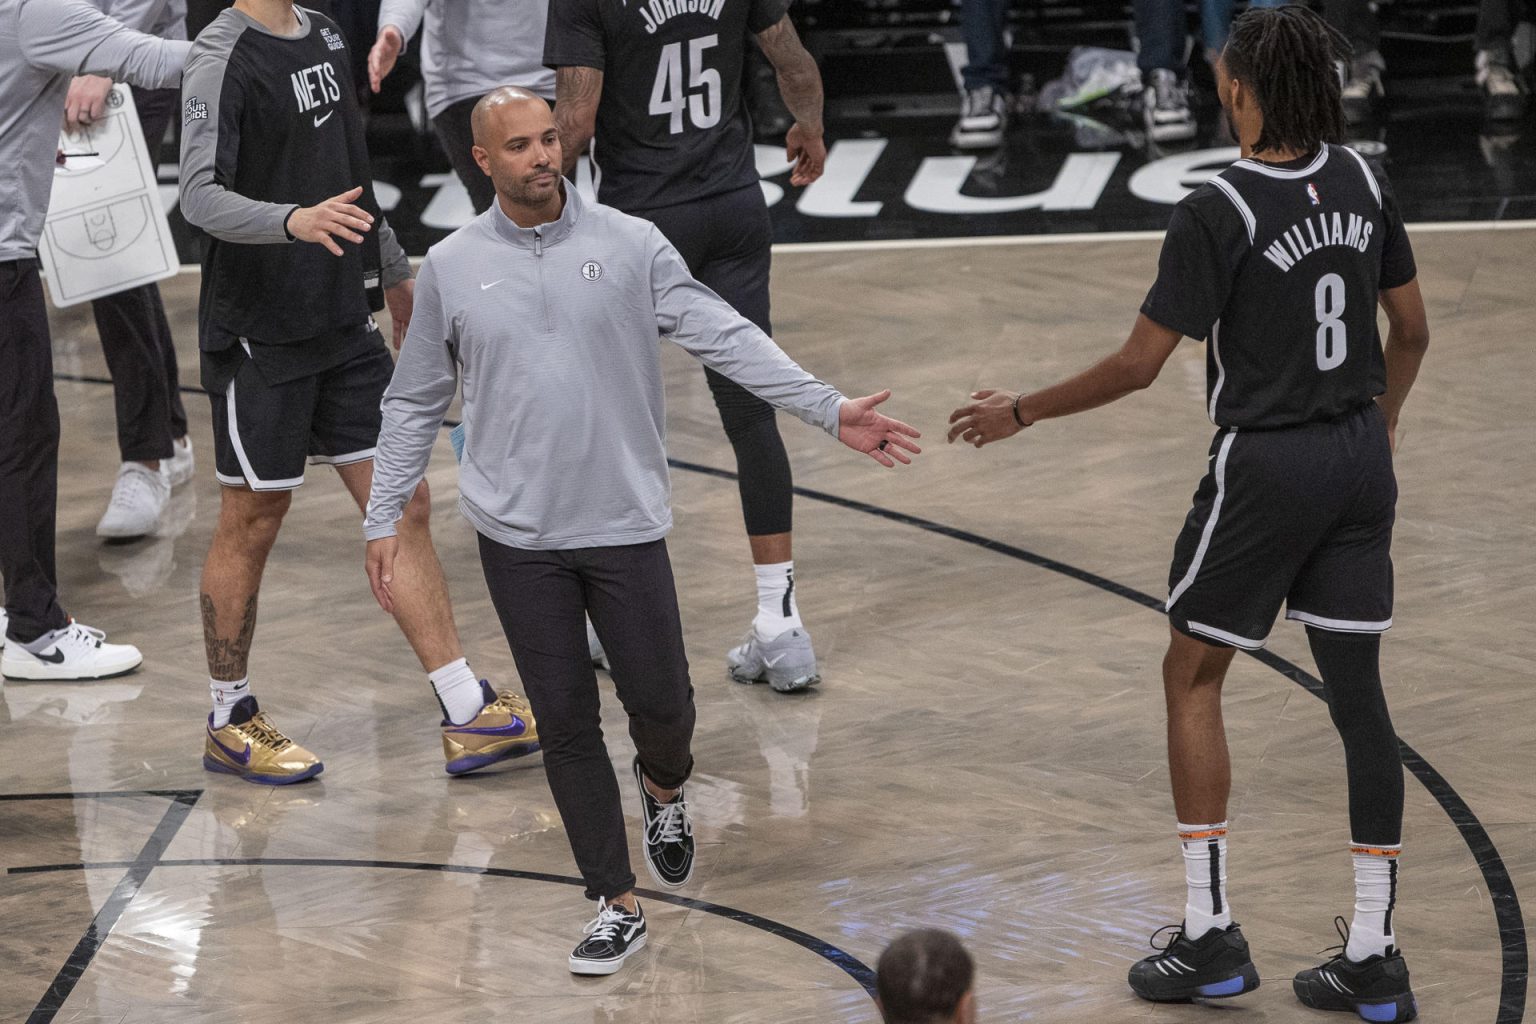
1376,988
668,835
611,936
1214,966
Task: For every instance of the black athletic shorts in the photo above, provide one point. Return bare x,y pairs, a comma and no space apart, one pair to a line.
263,432
1299,515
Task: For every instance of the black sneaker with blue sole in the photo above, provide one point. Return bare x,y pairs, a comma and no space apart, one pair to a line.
1375,988
1214,966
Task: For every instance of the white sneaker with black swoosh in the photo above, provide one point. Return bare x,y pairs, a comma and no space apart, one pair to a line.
612,936
786,662
72,653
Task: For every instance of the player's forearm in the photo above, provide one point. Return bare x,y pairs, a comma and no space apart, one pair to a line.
1108,380
232,217
1404,353
799,78
800,86
577,93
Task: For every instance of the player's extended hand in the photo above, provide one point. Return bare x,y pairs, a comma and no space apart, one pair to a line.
86,102
335,216
380,563
863,429
381,59
808,151
400,299
988,418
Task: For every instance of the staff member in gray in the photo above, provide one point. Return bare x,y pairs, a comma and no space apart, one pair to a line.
135,334
43,44
468,48
550,309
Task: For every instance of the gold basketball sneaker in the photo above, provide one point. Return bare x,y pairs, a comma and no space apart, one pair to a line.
504,728
251,747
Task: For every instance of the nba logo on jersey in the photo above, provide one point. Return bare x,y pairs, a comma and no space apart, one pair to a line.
1312,194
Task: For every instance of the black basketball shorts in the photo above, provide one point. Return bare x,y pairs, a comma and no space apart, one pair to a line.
1300,516
264,433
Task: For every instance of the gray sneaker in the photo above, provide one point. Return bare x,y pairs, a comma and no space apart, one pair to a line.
1362,87
1165,107
983,119
787,662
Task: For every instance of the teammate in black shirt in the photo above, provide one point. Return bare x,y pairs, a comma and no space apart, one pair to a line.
275,170
1280,261
655,86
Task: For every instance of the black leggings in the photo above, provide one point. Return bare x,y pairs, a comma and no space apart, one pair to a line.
726,240
541,598
1350,667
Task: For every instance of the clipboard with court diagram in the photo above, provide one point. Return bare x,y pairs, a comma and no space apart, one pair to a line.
106,230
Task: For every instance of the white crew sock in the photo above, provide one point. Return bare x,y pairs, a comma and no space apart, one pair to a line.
1375,899
1205,877
776,607
458,691
226,694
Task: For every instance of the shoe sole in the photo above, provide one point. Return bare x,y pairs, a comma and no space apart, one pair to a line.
60,676
976,140
1388,1011
1245,980
474,762
212,765
596,968
1171,133
779,682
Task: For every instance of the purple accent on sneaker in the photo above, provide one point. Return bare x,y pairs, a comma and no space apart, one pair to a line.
516,727
264,780
239,757
470,762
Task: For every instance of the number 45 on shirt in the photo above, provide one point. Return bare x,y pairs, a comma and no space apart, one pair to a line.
702,101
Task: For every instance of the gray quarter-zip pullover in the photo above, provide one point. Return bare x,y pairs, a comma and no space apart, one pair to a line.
555,330
470,47
43,44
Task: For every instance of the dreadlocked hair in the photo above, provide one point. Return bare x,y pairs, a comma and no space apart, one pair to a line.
1289,57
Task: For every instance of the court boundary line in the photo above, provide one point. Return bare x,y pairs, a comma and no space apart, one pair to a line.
1513,942
1044,238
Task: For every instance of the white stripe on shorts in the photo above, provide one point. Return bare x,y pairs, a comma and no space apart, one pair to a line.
1210,524
1339,625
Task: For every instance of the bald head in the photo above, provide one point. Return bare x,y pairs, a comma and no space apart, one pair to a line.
509,103
517,145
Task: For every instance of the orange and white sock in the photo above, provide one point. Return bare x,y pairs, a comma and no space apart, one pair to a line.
1375,898
1205,877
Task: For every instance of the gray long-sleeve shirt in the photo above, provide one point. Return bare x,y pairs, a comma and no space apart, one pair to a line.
164,18
555,330
43,44
472,46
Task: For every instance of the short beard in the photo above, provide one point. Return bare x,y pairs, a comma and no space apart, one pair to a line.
523,194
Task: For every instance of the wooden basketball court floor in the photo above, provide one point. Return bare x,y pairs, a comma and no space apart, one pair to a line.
985,754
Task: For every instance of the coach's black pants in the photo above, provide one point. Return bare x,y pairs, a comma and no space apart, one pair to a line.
542,598
727,242
135,337
457,137
29,455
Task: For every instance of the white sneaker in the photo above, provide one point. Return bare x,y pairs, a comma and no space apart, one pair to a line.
786,662
983,119
77,652
178,469
138,499
1165,107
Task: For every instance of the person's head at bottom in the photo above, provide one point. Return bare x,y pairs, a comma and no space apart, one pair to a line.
926,977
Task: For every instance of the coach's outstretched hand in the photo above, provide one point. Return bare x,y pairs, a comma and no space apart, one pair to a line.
863,429
990,417
334,216
381,59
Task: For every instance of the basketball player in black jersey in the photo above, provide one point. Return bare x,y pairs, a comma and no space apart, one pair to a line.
1280,261
655,86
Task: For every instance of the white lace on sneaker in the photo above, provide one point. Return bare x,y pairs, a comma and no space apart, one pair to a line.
671,823
610,918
